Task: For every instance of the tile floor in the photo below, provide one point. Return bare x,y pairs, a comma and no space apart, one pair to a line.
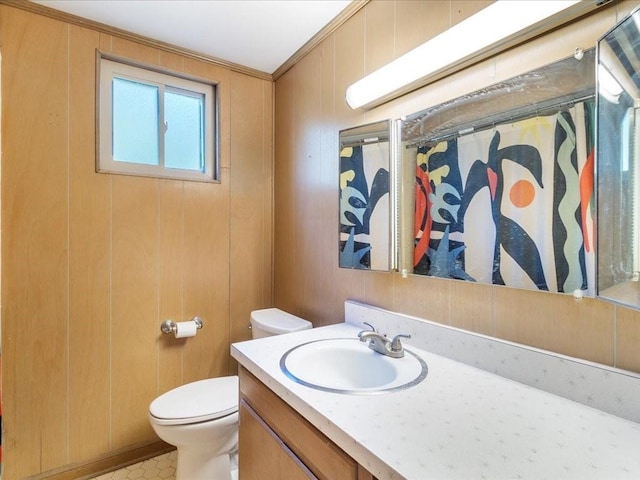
162,467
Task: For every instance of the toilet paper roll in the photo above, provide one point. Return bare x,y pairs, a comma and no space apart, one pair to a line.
186,329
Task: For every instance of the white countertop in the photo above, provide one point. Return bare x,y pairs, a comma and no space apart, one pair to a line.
459,423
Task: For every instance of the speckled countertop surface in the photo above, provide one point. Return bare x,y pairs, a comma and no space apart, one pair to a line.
459,423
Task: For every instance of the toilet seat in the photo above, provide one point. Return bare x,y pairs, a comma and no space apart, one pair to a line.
196,402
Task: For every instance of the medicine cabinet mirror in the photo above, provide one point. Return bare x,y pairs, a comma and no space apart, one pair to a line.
366,208
618,144
497,186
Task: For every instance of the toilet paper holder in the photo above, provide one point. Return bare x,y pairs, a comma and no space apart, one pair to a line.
169,326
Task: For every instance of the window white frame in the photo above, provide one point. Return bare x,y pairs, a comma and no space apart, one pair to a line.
108,68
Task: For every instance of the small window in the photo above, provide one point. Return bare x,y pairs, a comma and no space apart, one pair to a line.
155,124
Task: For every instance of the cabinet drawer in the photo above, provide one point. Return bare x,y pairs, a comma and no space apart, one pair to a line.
325,459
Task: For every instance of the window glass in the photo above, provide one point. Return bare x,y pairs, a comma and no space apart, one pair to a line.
135,122
184,130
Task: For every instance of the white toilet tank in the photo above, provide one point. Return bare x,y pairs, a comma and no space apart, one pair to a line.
273,321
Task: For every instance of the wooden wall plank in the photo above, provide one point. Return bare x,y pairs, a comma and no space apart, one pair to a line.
35,242
134,51
89,263
307,182
171,244
329,172
265,240
134,306
380,30
417,22
462,9
285,289
627,338
556,322
206,287
251,201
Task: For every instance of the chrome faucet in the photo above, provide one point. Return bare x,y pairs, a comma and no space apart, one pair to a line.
381,344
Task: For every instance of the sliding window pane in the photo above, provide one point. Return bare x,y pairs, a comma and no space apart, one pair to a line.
135,122
184,135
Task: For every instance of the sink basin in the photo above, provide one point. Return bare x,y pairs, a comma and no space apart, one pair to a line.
347,365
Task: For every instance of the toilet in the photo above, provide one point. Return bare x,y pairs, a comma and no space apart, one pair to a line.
201,418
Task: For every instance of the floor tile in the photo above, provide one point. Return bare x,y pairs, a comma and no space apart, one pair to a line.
162,467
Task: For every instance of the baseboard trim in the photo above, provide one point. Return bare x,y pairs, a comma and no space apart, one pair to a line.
113,461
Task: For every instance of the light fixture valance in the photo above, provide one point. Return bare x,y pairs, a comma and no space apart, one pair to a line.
499,26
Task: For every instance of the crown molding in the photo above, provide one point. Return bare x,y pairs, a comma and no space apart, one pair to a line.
141,39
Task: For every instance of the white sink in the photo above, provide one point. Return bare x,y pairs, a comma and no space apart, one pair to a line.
346,365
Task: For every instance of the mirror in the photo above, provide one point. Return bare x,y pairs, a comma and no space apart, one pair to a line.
497,185
618,120
366,230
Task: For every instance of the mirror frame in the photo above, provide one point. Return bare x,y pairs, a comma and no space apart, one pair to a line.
618,163
367,198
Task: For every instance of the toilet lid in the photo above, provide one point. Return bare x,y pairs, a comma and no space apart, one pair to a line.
277,321
197,401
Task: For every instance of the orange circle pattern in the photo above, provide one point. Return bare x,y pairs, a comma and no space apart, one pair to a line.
522,193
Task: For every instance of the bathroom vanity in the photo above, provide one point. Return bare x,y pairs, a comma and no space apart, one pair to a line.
277,442
487,409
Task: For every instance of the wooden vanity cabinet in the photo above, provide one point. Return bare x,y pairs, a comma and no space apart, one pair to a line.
267,456
277,443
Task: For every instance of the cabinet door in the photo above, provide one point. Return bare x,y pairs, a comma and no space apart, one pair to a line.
262,454
321,456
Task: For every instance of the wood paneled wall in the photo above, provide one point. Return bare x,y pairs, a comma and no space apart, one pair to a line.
93,263
310,111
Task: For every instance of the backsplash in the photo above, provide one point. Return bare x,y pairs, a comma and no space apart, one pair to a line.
608,389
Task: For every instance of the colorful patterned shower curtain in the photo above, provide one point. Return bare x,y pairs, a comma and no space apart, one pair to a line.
364,207
511,205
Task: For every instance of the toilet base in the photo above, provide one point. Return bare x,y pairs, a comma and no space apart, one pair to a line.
197,464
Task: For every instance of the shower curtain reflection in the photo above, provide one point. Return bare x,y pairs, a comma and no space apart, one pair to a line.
365,205
510,205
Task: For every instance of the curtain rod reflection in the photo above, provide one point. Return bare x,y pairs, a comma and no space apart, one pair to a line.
537,110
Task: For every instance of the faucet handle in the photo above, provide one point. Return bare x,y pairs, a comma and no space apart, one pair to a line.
362,332
365,335
373,329
396,346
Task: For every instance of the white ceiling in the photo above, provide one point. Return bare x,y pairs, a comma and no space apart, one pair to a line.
259,34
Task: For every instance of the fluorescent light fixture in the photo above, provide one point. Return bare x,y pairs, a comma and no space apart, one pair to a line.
497,27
